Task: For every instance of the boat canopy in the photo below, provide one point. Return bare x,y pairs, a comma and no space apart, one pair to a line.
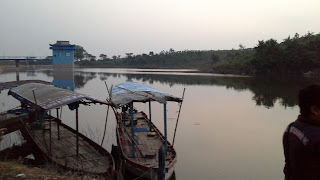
48,97
129,92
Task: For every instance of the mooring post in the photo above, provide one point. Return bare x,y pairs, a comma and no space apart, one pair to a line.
132,129
165,127
162,163
77,128
58,123
150,115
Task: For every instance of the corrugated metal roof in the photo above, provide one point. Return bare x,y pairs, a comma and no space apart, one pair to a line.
48,97
8,85
128,92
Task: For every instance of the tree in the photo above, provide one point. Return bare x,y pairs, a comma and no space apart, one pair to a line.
215,58
103,56
79,53
114,57
268,56
129,55
241,47
90,57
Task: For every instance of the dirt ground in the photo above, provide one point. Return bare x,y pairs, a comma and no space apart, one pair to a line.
16,170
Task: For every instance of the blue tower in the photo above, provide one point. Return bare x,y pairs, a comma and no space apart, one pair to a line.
62,54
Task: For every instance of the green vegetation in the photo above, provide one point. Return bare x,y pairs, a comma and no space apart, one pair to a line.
292,56
165,59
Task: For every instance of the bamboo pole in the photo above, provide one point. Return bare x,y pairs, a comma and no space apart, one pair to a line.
132,128
50,133
58,123
175,130
77,128
150,126
105,125
165,127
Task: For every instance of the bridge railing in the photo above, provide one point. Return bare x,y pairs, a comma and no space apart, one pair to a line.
25,58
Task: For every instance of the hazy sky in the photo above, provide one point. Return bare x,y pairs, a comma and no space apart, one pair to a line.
115,27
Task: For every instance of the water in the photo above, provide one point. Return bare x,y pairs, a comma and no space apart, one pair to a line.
229,128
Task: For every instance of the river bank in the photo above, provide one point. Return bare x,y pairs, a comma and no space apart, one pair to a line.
17,170
13,68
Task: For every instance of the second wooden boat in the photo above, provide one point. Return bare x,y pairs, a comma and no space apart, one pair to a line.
58,142
139,139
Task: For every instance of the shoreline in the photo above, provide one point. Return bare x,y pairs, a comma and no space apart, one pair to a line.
21,68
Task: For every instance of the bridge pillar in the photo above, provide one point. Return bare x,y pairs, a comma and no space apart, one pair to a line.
17,63
17,70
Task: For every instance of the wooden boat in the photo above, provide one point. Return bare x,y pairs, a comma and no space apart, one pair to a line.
12,120
138,138
58,142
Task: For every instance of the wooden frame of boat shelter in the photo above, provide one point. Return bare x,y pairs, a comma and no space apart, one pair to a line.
43,98
143,94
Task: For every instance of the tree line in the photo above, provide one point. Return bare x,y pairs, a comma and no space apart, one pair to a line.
297,54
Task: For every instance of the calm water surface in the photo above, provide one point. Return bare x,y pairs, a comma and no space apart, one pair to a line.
229,128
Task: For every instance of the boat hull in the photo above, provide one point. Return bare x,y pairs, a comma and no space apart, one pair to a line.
138,169
92,158
151,173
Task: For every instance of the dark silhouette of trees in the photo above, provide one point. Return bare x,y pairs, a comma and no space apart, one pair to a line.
215,58
293,55
79,53
103,56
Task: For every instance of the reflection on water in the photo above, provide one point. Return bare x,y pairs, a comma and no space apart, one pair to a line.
63,78
229,128
266,90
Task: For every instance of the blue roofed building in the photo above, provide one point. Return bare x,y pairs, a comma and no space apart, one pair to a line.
62,54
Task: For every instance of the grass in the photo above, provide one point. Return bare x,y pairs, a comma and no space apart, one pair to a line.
9,170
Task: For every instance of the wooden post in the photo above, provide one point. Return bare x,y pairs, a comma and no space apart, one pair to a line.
77,128
132,129
150,126
58,123
162,163
34,97
50,132
165,127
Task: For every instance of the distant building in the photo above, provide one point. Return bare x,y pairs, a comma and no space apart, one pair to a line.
62,54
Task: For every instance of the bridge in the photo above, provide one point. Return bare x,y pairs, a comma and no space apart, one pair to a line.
25,58
62,55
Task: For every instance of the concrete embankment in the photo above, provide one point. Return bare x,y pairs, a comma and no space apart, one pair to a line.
13,68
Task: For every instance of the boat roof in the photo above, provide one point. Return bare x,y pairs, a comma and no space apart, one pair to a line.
128,92
11,84
49,97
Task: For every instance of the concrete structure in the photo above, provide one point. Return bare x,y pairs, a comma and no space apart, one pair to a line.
62,54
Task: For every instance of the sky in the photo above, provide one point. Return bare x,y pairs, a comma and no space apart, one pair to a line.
116,27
